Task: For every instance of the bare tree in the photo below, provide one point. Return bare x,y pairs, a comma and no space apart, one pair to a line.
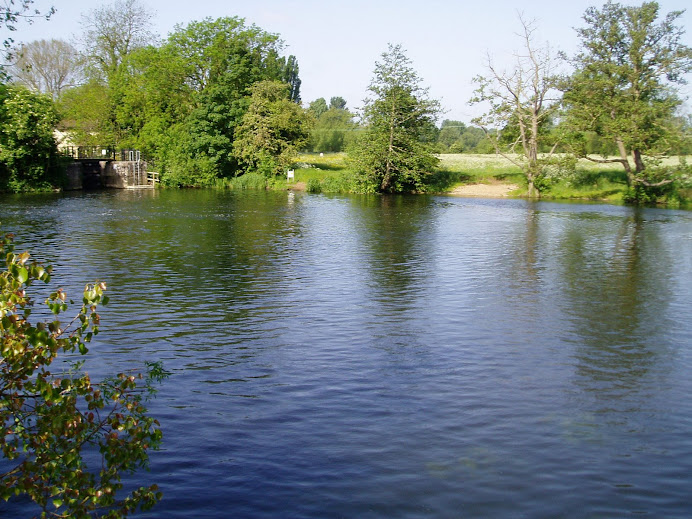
47,66
521,103
112,32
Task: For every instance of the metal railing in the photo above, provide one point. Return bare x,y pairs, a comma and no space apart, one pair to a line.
101,152
89,152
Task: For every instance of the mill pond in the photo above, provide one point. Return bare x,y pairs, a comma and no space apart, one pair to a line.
390,356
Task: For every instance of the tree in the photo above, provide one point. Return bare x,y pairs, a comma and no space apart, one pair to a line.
318,107
112,32
338,103
28,153
393,155
223,59
521,104
54,422
272,130
332,130
291,78
624,85
47,66
449,138
86,113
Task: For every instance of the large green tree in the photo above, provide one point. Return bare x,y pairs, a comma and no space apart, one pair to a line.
272,131
630,62
220,60
449,138
395,154
28,153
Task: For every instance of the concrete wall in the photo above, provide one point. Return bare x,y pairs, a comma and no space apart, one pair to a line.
75,177
122,174
94,174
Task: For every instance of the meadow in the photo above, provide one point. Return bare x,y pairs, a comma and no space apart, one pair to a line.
587,181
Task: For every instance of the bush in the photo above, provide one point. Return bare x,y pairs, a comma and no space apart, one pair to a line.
53,421
313,186
337,184
28,154
248,181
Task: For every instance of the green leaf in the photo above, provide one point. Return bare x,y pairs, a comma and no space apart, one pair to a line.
22,275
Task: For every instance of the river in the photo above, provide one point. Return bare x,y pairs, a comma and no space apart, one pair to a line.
370,357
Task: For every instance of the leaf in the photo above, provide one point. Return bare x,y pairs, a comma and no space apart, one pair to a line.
22,275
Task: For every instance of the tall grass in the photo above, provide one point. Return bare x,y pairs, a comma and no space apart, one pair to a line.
246,181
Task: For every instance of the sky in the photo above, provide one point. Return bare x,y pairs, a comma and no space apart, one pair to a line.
338,43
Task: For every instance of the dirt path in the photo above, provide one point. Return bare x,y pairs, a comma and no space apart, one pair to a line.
484,190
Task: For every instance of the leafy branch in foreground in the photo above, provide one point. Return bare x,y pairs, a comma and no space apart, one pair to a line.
14,11
53,423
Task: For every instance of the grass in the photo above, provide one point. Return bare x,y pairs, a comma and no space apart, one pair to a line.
589,181
329,173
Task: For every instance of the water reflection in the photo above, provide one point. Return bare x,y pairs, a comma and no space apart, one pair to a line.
395,235
617,288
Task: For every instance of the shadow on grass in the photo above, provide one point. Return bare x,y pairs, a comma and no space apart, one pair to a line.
327,166
593,178
513,177
441,180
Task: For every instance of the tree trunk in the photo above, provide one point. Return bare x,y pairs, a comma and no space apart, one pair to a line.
639,165
625,161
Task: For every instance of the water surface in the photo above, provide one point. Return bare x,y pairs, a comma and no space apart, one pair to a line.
391,356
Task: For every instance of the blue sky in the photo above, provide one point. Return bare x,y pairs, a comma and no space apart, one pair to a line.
337,43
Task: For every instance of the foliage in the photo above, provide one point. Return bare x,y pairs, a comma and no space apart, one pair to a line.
290,71
521,104
623,87
54,422
337,103
313,185
112,32
333,130
47,66
393,155
449,138
28,153
180,101
217,61
318,107
251,180
180,166
85,112
272,130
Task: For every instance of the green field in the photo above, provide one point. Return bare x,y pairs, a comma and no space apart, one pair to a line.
589,180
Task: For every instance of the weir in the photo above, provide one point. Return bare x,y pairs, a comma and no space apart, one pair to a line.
96,167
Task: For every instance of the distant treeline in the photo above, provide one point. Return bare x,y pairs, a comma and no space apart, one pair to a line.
218,97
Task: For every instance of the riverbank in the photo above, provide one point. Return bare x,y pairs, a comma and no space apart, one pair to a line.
496,190
495,176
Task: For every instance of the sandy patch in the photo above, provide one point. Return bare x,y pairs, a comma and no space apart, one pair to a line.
297,186
484,190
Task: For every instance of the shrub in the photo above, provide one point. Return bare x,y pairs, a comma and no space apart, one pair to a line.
52,422
313,186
